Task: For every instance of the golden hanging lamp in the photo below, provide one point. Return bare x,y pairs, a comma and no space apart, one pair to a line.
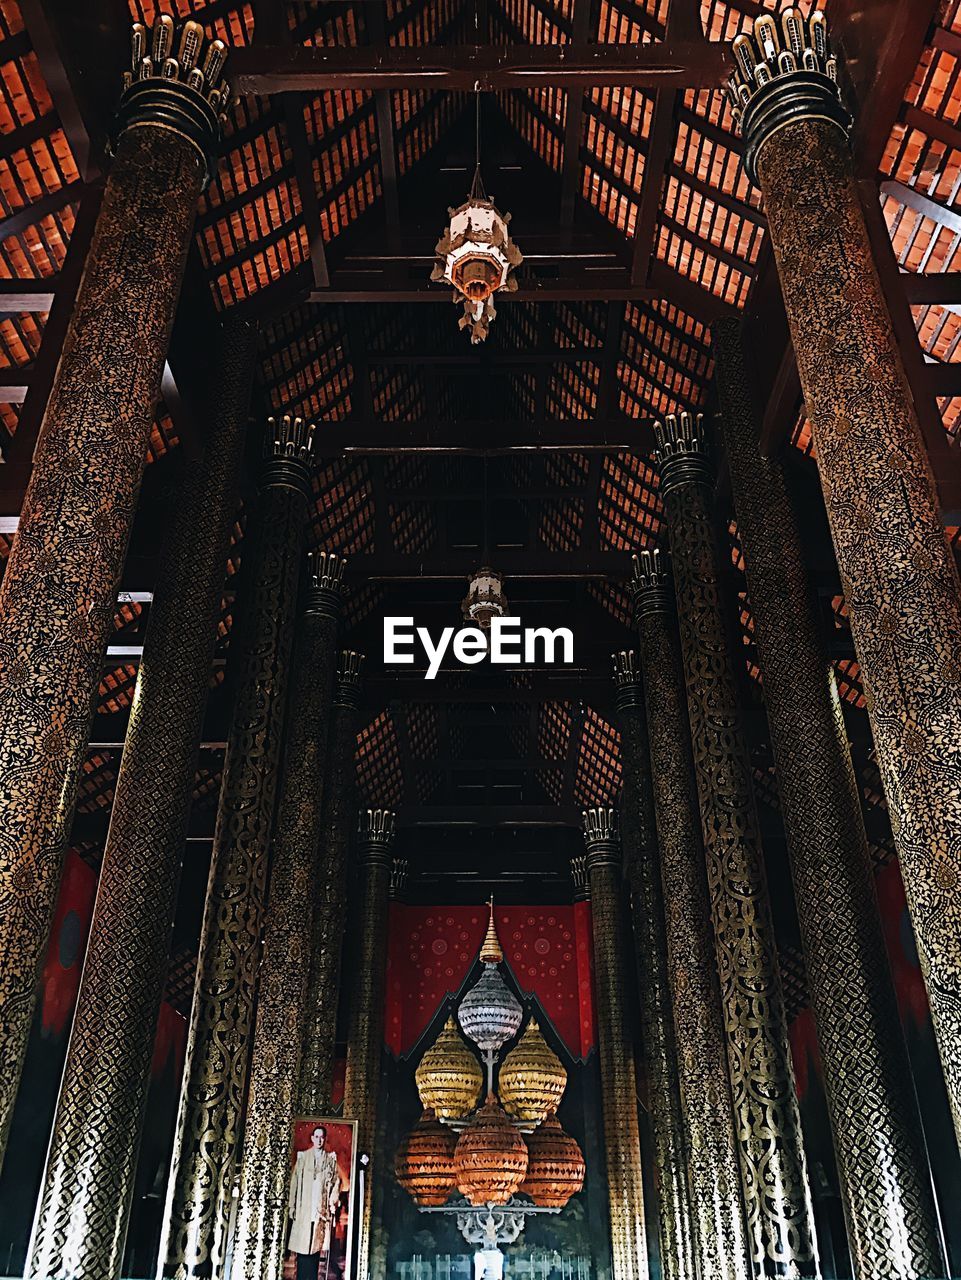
490,1159
424,1164
555,1169
449,1077
532,1078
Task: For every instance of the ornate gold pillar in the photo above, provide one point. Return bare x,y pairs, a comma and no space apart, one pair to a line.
262,1217
218,1043
777,1199
330,894
59,591
719,1232
882,1160
85,1200
365,1037
639,844
898,573
622,1140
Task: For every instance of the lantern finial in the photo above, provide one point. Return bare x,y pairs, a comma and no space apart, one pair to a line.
491,952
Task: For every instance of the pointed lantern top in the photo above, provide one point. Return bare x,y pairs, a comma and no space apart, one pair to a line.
491,952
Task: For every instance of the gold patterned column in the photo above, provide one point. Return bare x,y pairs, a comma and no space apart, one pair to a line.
641,858
59,591
881,1156
218,1043
622,1140
262,1217
84,1206
899,576
719,1232
330,894
365,1036
777,1198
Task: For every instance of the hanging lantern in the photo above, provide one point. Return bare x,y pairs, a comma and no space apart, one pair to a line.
490,1014
532,1078
478,257
490,1159
449,1077
485,599
555,1169
424,1164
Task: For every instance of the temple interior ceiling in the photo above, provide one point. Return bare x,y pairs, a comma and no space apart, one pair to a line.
639,228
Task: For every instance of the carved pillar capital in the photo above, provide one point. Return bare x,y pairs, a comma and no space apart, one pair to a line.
175,82
375,837
347,685
601,838
288,454
398,877
651,591
629,694
325,591
785,72
582,885
681,452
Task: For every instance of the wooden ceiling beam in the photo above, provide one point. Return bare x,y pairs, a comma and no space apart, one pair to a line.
27,296
882,43
520,815
538,562
262,70
574,123
684,25
484,438
271,28
937,289
659,148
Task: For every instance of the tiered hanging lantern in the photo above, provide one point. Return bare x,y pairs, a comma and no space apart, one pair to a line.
490,1014
449,1078
476,253
424,1164
555,1168
490,1159
478,257
485,599
532,1078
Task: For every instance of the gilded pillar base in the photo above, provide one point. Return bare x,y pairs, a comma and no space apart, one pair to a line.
59,591
201,1181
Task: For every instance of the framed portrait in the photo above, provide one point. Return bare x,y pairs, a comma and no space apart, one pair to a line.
320,1219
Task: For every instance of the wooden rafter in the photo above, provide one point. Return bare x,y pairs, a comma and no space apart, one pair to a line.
261,69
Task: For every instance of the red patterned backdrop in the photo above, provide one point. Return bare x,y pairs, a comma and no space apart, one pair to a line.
432,949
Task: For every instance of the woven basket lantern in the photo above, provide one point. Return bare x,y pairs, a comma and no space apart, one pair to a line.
490,1014
449,1077
555,1170
532,1078
490,1160
424,1164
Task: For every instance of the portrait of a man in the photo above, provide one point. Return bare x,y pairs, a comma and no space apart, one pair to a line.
319,1204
